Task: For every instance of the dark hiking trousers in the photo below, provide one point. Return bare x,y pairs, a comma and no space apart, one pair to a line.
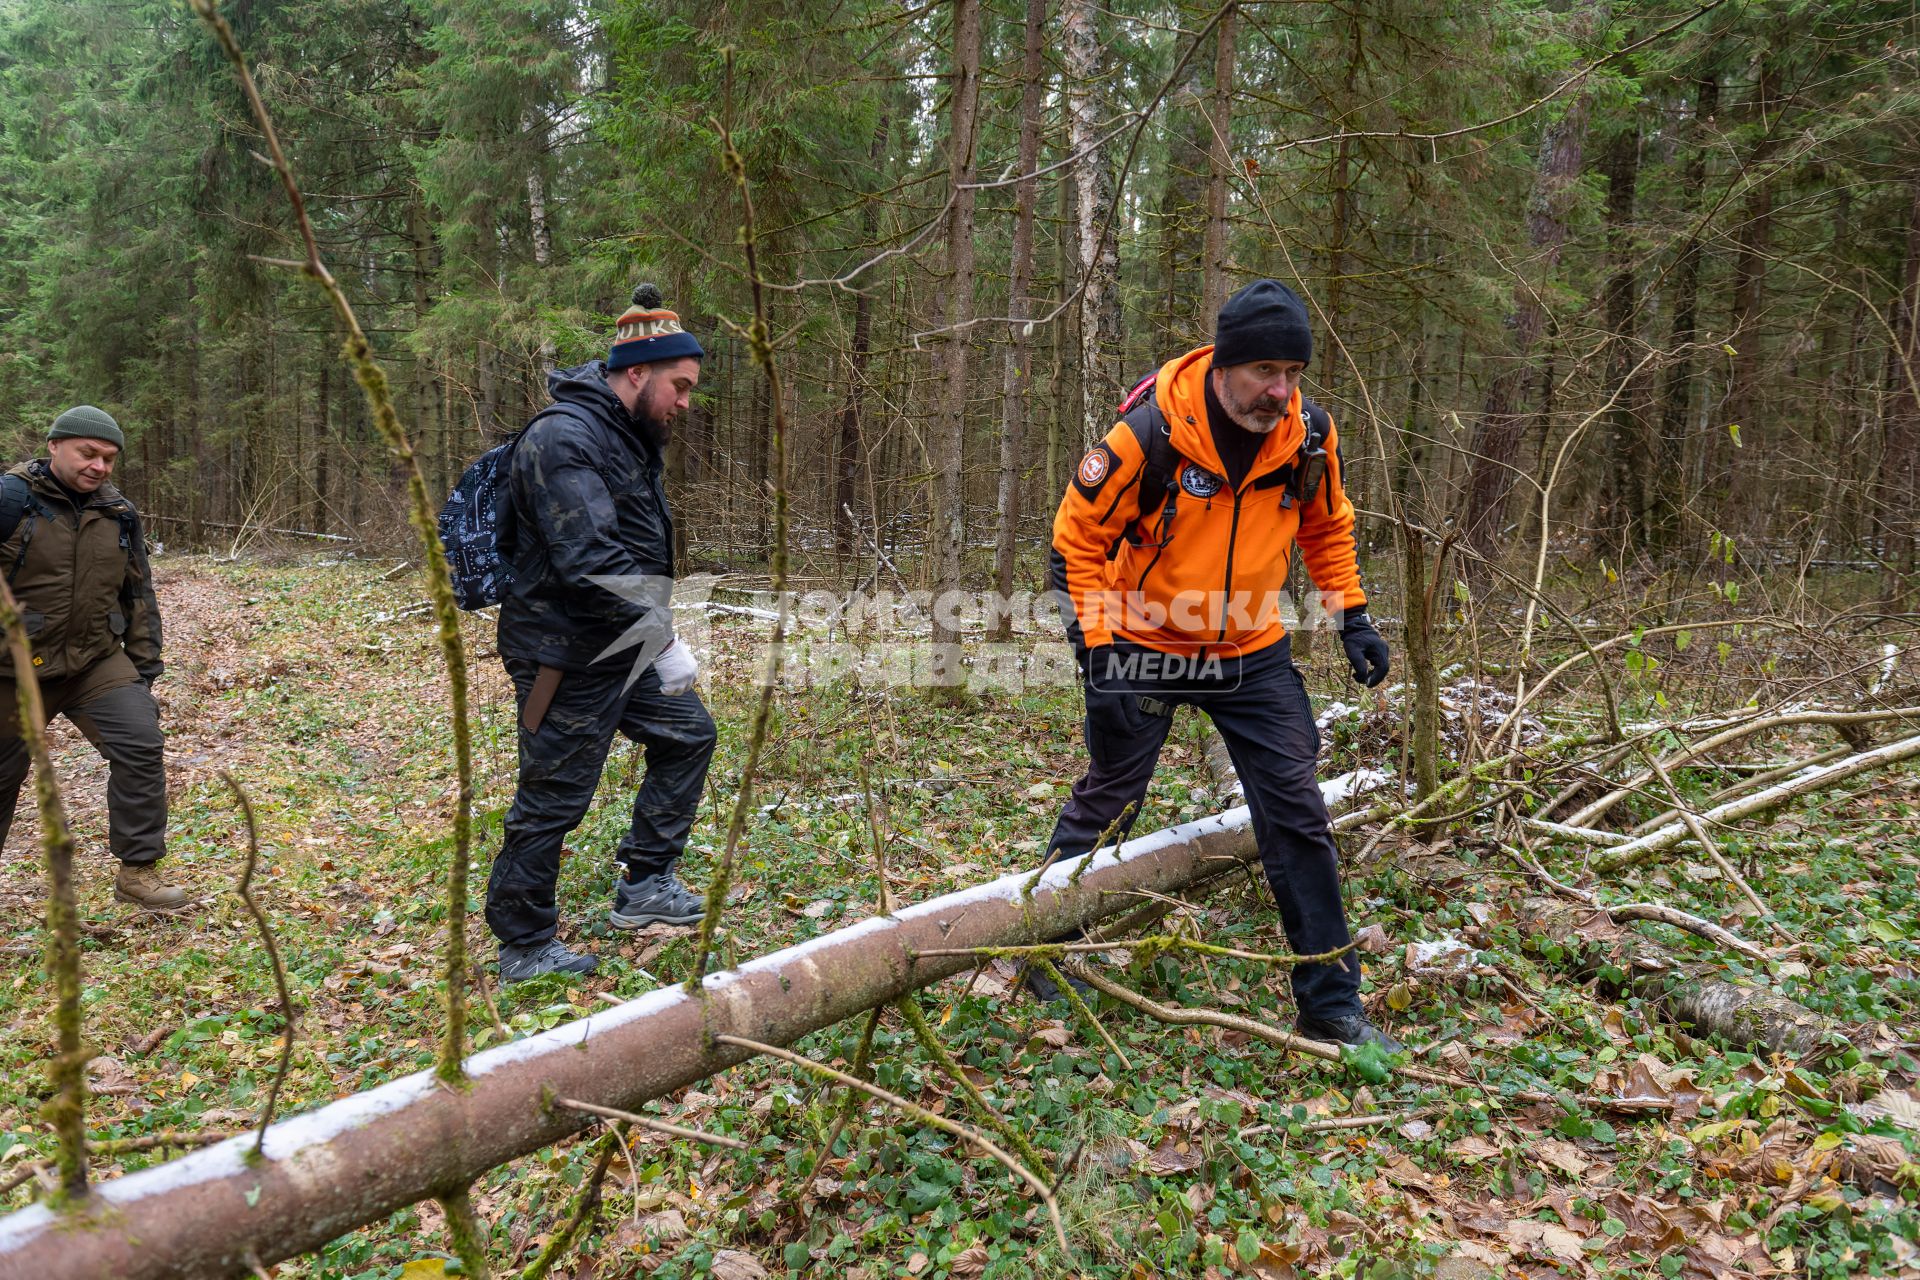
113,707
560,766
1259,704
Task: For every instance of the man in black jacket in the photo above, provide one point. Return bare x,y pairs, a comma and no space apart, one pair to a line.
587,636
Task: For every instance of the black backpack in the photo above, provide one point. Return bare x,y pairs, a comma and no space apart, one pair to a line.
1160,476
18,503
476,524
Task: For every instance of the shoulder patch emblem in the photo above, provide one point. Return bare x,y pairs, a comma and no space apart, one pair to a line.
1200,482
1091,475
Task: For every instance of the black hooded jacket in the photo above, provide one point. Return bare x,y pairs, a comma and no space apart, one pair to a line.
584,501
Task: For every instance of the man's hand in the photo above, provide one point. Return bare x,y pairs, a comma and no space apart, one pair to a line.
1366,650
678,669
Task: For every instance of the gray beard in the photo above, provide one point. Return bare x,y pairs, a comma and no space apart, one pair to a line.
1247,420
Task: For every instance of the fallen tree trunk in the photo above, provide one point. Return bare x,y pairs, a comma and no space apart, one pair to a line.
1639,850
1692,995
1592,813
359,1159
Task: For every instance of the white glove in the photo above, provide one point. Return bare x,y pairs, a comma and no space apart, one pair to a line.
678,669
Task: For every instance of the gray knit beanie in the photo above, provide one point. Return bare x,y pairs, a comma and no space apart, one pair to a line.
84,422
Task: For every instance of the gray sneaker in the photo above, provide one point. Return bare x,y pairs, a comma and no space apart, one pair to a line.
517,964
655,899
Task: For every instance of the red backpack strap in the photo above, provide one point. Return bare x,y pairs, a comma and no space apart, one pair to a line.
1141,389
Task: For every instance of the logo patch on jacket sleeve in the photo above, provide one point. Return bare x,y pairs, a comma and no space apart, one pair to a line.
1091,475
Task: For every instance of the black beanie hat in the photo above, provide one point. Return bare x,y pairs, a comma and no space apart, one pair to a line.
1264,321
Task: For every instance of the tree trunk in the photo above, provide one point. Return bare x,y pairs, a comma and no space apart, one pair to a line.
1183,222
847,448
1416,582
1626,500
1330,368
542,251
1093,187
1066,346
1497,436
1017,379
1667,457
1899,480
946,446
1693,995
1214,275
357,1160
323,449
1749,279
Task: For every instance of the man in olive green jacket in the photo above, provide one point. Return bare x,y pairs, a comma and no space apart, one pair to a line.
72,551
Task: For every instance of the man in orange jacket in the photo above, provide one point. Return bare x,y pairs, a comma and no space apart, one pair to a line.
1171,547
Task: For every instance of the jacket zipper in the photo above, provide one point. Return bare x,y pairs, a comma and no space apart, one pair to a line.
1226,595
1159,549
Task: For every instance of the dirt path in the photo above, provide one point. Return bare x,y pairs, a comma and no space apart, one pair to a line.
206,634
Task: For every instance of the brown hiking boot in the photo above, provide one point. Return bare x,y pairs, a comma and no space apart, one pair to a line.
144,886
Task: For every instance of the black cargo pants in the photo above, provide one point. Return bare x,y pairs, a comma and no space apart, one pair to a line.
1259,704
560,765
112,705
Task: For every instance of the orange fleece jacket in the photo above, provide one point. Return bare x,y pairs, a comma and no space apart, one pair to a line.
1213,583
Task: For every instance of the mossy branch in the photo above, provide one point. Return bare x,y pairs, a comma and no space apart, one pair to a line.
66,1110
358,352
245,889
760,343
861,1054
930,1045
584,1205
1081,1011
466,1233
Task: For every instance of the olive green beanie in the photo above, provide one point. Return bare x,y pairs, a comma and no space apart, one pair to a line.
86,422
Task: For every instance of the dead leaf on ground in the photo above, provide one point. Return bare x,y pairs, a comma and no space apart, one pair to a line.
1173,1157
1560,1154
732,1264
652,1233
1053,1034
971,1262
1403,1172
1472,1148
1547,1241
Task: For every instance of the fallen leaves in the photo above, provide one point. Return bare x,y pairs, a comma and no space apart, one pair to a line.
1544,1240
1173,1156
1557,1153
1472,1148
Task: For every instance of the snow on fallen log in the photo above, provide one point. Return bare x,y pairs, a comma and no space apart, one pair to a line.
359,1159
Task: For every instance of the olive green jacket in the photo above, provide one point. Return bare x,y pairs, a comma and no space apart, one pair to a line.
82,579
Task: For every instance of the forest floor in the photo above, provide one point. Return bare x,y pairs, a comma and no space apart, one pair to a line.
317,686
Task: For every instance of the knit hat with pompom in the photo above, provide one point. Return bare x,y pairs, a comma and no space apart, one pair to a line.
648,332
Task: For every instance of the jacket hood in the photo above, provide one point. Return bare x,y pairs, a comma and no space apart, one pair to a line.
1181,389
585,386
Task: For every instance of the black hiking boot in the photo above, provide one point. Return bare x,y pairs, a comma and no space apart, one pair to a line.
654,899
517,964
1043,988
1352,1029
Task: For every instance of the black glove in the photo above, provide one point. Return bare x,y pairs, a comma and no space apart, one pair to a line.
1366,650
